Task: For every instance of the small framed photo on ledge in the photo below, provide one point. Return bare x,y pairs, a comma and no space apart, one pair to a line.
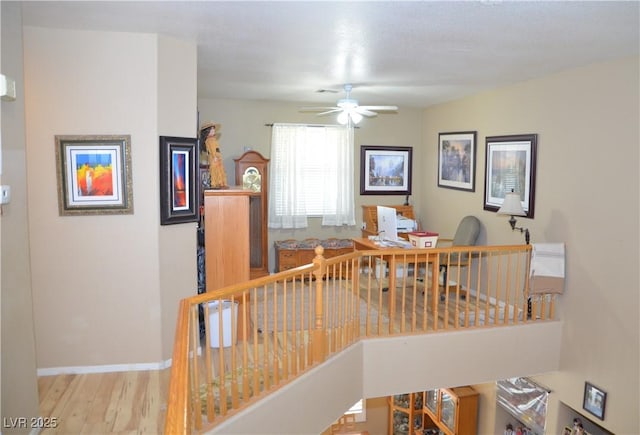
594,400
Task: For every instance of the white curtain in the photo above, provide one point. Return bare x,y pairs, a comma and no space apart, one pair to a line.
311,175
342,200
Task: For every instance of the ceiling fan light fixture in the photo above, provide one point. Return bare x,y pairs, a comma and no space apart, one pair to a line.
349,114
355,117
349,111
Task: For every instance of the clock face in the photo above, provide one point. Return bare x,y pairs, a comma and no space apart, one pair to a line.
251,179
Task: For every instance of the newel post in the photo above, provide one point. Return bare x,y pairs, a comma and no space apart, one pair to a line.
318,335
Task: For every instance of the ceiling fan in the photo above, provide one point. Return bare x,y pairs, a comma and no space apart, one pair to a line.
349,110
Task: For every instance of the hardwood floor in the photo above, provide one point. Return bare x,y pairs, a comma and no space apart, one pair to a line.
135,402
105,403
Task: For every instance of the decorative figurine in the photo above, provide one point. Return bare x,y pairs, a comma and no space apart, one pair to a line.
210,133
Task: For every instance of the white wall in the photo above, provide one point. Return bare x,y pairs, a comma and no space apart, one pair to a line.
98,296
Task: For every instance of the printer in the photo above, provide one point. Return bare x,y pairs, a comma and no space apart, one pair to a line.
406,225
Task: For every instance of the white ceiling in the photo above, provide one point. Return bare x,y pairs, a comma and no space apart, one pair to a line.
413,54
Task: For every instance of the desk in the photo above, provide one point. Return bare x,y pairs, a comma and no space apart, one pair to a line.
422,256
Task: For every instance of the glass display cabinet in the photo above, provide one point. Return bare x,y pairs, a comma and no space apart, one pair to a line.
450,411
405,414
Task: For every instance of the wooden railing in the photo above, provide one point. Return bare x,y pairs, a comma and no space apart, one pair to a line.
235,345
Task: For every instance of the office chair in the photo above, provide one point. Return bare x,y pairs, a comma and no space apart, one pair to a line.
466,235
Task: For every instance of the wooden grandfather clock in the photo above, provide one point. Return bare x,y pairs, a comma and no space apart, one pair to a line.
252,173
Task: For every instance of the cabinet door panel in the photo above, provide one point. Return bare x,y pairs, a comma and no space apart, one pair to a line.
448,410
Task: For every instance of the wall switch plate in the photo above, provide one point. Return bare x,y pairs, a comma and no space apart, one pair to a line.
7,88
5,194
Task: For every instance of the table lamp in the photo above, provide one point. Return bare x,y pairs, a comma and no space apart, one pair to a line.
513,207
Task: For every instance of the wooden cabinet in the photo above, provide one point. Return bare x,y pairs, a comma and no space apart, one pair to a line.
226,240
370,217
226,237
451,410
405,414
252,174
292,253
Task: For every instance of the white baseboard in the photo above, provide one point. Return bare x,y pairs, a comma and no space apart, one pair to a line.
76,370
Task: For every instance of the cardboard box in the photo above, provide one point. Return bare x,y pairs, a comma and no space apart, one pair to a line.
423,239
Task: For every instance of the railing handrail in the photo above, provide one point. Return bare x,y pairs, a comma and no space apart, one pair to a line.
181,400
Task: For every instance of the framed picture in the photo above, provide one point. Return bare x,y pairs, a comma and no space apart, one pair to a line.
510,165
94,175
179,180
385,170
594,400
457,160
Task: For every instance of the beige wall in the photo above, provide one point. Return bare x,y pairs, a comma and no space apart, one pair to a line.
105,83
587,125
394,365
587,167
101,286
177,114
243,125
19,393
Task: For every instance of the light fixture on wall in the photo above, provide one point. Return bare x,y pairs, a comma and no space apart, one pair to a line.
513,207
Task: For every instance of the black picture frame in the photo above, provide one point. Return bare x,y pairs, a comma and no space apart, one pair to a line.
94,174
457,160
510,164
385,170
179,171
594,400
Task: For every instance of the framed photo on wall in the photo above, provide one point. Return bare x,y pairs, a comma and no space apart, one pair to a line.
594,400
94,175
457,160
179,179
510,165
385,170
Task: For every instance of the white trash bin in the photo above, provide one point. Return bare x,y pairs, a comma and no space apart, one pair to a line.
229,313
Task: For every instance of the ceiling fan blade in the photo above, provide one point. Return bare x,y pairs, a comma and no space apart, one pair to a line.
317,109
363,111
333,110
381,108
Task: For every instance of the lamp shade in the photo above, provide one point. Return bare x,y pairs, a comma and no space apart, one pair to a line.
512,205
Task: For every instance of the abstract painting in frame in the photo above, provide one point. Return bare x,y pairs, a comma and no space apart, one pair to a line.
510,165
94,175
385,170
457,160
179,178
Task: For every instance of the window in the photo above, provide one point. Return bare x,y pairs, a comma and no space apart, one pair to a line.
359,410
311,175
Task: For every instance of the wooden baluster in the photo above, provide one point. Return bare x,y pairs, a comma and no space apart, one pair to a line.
209,370
319,338
193,322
